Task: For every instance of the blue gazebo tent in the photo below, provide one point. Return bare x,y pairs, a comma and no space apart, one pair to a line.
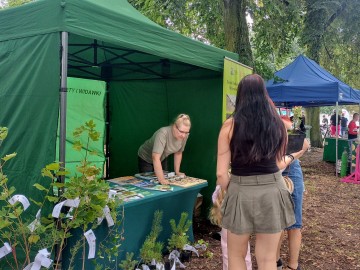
305,83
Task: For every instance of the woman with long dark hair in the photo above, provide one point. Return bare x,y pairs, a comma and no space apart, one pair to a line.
253,143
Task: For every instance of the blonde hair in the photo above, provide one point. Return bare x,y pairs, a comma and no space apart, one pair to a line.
182,119
215,211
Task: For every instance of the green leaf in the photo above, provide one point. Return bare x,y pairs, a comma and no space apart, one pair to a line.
59,185
11,215
77,145
40,187
94,135
4,223
33,239
53,166
90,124
35,202
3,133
62,173
3,180
52,198
18,211
47,173
10,156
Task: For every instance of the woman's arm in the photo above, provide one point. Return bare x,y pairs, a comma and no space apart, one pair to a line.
287,159
158,169
224,154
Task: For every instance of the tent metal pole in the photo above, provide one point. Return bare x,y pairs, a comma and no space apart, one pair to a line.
63,99
107,127
336,139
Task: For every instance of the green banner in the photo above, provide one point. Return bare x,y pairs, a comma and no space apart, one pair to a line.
233,73
85,101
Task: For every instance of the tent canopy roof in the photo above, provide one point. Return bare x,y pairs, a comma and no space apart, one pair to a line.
305,83
113,33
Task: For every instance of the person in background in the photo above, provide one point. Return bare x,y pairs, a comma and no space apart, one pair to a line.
333,124
344,124
257,200
353,128
215,218
294,232
302,122
325,121
152,155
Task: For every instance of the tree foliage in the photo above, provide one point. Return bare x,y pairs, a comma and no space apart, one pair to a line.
199,19
276,29
13,3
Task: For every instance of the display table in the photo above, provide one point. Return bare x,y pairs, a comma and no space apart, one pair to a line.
330,148
137,221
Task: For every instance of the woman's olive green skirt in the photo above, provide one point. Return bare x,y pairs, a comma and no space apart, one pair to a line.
257,204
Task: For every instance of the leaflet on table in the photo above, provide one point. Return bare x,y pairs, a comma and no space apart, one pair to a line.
128,193
177,180
141,184
185,182
150,176
149,185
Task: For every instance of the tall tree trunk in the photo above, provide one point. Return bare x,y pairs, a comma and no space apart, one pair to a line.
312,119
316,23
313,31
236,30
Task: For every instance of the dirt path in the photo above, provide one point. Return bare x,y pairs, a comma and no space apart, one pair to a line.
331,218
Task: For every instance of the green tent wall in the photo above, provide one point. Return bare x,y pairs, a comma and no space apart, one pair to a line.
152,74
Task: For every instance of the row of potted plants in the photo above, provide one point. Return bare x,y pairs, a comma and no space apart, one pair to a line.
178,249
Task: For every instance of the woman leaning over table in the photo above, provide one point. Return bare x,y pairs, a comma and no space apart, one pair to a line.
153,153
253,142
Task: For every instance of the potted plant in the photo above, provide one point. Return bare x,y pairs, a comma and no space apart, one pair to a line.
86,194
151,250
202,247
179,237
128,263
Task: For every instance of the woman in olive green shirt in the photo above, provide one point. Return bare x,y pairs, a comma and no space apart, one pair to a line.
152,155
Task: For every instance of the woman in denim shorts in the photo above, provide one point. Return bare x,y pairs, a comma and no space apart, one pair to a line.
294,231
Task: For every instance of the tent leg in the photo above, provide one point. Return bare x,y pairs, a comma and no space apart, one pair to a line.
336,139
62,137
63,99
107,127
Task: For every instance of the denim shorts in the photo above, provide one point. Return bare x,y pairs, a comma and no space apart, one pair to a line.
295,173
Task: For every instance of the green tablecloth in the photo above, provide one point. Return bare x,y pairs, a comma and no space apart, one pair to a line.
330,148
138,216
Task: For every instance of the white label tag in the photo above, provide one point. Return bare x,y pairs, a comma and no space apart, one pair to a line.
108,216
57,209
41,259
112,194
190,248
91,239
20,198
36,222
5,250
70,203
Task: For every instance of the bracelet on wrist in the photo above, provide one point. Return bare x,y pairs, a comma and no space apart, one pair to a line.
291,157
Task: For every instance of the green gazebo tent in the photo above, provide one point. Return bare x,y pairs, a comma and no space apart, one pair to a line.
151,75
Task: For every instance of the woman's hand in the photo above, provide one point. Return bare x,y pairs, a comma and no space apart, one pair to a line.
306,145
164,182
182,175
